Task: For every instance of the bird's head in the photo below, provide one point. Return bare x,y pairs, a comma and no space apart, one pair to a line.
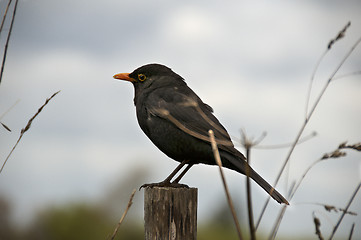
150,75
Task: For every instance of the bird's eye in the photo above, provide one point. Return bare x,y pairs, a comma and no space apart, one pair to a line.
141,77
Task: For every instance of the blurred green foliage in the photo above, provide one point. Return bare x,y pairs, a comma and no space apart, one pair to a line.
70,222
85,221
74,221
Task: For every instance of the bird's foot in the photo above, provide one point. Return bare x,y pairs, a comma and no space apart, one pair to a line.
164,184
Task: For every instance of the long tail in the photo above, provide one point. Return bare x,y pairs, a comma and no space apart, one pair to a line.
241,166
267,187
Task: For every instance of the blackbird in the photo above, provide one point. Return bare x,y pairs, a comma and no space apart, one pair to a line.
177,121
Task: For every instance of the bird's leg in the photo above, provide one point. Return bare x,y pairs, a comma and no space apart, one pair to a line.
166,182
182,173
175,171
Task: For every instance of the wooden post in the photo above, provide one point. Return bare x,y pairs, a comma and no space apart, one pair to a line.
170,213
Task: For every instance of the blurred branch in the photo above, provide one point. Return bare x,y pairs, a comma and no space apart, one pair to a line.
9,109
2,115
344,212
340,35
307,118
334,154
286,145
7,41
248,144
219,163
312,80
4,17
347,75
130,202
356,146
26,128
293,189
277,223
351,232
317,223
249,197
331,208
6,127
166,114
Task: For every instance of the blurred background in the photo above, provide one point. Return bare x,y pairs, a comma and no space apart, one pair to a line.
73,172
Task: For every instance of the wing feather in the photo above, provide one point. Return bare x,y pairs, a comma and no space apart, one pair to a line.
187,111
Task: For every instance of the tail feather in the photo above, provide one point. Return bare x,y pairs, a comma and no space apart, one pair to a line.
267,187
241,166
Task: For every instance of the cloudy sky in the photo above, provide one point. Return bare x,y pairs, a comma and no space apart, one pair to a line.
251,61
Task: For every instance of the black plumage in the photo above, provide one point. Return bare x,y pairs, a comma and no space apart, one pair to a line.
177,121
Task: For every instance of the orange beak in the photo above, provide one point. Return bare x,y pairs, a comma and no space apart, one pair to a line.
124,76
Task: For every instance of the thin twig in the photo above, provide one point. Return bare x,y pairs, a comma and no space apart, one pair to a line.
26,128
334,154
7,40
329,208
130,202
166,114
351,232
277,223
249,198
340,35
219,163
295,186
9,109
6,127
286,145
4,17
347,75
312,80
346,210
278,220
305,123
317,223
356,146
247,144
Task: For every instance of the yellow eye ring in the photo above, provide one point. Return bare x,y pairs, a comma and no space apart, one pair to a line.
141,77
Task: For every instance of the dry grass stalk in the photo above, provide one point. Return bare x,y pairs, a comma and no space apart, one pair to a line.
166,114
335,154
4,17
285,145
219,163
130,202
26,128
345,211
277,223
356,146
307,118
248,144
330,208
347,75
191,103
317,223
7,40
351,232
8,110
340,35
6,127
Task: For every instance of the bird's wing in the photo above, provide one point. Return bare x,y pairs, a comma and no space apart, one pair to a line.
187,111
